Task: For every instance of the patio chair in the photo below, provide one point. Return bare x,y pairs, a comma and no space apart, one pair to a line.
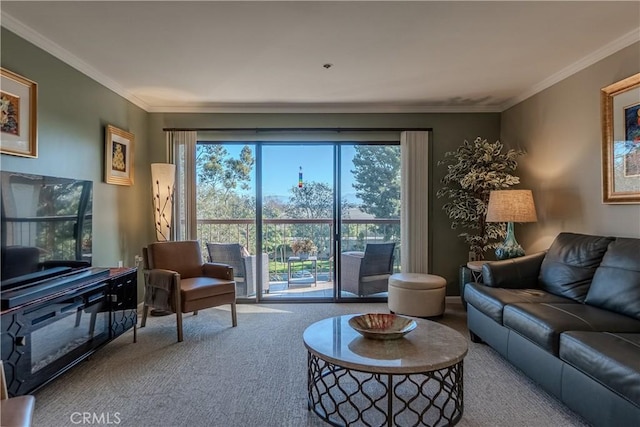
368,272
244,266
177,280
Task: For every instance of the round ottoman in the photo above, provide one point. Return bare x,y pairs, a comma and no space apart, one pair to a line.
417,294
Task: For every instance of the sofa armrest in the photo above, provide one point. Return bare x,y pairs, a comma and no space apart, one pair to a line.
514,273
217,270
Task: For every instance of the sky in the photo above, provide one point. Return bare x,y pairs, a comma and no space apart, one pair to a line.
281,164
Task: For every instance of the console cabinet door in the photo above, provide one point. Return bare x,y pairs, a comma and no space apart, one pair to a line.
124,300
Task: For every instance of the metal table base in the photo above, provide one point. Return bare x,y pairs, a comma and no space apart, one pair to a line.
344,397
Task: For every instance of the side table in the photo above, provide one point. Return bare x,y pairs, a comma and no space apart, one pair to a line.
295,259
471,272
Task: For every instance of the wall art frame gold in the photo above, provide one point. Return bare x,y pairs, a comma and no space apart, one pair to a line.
620,104
18,115
118,156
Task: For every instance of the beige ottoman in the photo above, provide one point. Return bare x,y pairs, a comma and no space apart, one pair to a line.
416,294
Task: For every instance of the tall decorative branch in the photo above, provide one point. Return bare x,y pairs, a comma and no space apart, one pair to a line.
163,176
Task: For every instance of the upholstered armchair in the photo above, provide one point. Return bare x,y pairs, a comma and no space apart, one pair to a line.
177,280
368,272
244,266
14,411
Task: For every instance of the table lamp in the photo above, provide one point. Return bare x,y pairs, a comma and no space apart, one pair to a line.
510,206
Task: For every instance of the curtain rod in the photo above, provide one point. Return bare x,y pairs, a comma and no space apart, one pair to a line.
338,130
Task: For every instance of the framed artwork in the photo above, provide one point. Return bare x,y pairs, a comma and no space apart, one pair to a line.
620,104
118,155
18,115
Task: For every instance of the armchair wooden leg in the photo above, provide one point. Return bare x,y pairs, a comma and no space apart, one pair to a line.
179,322
145,312
195,313
177,304
234,315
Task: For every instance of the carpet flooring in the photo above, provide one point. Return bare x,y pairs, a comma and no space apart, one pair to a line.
254,375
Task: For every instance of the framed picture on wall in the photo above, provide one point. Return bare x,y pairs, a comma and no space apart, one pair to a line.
18,115
620,103
118,155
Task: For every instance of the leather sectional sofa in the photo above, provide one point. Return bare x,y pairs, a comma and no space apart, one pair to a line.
569,318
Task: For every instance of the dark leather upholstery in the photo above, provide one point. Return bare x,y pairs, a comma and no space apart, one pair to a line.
543,323
571,263
611,358
491,301
17,411
584,347
501,274
14,411
616,284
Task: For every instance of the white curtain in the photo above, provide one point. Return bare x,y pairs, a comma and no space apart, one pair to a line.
414,232
182,152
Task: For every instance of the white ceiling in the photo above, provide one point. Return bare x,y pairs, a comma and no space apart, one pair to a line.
179,56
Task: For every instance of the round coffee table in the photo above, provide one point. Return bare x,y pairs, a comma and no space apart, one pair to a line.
413,380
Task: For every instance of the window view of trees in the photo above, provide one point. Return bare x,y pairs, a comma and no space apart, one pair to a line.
377,183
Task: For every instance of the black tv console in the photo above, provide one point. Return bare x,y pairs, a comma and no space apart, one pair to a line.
48,330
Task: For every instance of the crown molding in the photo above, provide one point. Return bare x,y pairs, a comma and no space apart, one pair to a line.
598,55
32,36
310,108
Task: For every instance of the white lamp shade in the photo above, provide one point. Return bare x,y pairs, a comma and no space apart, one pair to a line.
163,176
511,206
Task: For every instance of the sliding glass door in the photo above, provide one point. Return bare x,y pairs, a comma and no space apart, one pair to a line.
307,220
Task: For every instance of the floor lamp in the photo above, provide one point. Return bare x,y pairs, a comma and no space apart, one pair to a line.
510,206
163,177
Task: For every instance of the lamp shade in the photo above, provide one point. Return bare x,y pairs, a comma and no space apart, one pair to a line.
163,176
511,206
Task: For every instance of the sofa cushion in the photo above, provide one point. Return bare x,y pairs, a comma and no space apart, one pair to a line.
491,301
543,323
613,359
571,263
616,284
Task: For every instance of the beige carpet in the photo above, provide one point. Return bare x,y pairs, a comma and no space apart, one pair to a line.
255,375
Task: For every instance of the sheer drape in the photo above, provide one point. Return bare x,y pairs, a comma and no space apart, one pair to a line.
182,152
414,228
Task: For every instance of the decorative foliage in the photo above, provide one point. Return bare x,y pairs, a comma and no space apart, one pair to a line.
473,170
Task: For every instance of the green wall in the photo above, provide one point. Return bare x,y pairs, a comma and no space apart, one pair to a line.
560,128
73,111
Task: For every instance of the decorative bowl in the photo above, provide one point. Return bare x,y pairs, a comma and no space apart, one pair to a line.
382,326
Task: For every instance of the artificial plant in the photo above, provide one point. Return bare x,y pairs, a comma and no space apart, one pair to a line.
473,170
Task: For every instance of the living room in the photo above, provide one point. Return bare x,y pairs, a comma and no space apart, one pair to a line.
559,126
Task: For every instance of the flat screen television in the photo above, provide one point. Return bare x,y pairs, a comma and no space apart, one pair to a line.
46,228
